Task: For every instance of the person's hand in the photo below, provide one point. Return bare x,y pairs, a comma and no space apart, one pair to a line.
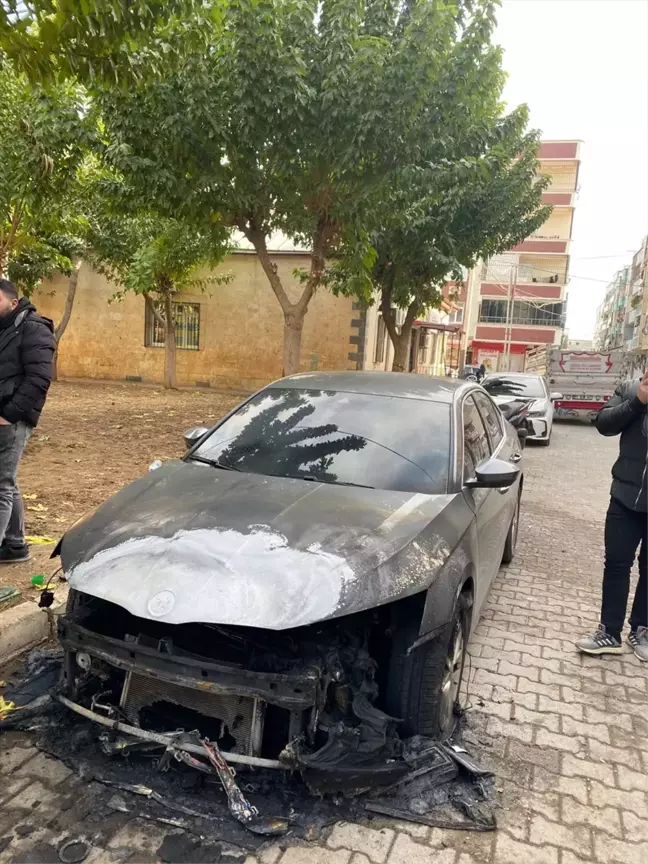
4,422
643,390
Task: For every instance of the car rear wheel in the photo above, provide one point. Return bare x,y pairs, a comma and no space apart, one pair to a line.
512,536
423,688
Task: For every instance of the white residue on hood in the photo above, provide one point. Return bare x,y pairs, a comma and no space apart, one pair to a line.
217,577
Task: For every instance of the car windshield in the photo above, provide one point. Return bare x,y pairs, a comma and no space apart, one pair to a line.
510,385
383,442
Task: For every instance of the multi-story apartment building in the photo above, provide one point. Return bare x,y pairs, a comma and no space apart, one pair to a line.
611,314
635,335
622,317
518,299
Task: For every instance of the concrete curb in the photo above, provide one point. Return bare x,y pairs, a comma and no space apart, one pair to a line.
25,625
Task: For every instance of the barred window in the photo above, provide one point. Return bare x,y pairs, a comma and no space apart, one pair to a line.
187,324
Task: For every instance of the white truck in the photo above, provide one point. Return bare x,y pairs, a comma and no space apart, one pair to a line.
584,379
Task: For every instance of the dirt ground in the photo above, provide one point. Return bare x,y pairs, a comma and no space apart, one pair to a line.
94,438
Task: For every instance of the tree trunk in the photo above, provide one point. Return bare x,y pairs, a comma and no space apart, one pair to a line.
293,327
401,344
67,314
400,339
293,312
170,378
3,263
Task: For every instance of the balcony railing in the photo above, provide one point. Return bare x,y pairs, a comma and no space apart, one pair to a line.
525,320
561,183
526,275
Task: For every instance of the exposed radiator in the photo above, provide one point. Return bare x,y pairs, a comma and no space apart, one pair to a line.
236,712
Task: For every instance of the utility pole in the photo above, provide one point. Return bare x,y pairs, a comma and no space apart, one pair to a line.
509,316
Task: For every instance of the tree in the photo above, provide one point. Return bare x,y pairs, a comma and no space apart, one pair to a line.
90,40
465,186
155,257
44,138
279,127
41,260
448,219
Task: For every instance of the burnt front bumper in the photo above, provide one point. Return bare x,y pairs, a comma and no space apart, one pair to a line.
146,675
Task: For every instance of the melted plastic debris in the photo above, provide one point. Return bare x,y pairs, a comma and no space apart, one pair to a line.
417,780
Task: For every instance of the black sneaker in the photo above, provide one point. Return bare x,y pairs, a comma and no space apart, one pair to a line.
600,642
14,554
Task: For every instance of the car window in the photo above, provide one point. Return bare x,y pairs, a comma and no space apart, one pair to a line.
361,439
475,439
526,386
491,417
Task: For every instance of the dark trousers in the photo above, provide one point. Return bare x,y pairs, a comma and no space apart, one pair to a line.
625,531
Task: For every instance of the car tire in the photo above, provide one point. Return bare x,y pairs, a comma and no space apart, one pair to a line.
423,688
545,442
511,538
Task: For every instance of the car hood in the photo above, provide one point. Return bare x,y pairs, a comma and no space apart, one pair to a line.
192,543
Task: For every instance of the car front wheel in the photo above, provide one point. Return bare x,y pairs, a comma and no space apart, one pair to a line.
423,687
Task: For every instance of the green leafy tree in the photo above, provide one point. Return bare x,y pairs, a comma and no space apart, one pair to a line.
47,255
465,186
449,218
154,257
44,139
91,40
361,130
279,127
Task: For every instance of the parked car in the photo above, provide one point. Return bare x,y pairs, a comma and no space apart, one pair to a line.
511,387
312,567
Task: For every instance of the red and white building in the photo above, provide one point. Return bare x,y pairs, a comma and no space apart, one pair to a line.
518,299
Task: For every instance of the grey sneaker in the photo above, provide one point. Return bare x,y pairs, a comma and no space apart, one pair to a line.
638,640
600,642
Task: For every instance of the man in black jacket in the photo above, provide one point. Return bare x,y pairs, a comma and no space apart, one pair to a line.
626,524
26,362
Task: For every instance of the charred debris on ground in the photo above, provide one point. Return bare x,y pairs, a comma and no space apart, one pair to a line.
364,769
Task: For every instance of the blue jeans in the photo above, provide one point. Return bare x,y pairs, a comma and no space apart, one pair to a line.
13,439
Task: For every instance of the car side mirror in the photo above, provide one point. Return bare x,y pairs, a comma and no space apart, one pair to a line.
193,436
556,397
494,474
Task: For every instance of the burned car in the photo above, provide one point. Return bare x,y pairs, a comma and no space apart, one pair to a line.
301,585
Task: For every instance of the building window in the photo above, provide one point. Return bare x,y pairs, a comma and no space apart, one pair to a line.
545,315
187,324
379,354
456,316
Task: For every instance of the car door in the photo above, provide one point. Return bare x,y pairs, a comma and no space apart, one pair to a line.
502,447
486,503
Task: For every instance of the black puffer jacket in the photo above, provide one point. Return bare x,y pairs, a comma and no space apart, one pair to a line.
626,415
26,363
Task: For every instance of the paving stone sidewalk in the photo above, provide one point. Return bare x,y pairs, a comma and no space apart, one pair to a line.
566,735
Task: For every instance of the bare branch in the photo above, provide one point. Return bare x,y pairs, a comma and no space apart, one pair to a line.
154,311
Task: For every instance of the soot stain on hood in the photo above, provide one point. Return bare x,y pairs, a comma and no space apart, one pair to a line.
191,544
